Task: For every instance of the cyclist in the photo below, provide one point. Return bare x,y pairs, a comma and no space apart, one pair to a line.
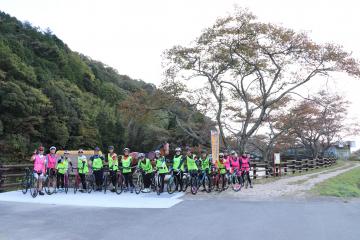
97,166
191,163
126,162
83,168
245,167
160,163
178,165
146,170
235,165
51,159
221,170
39,160
205,165
113,162
62,168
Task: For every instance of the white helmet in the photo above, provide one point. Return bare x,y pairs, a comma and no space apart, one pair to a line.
157,151
177,149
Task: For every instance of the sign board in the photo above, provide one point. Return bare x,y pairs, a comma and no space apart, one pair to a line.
215,146
276,158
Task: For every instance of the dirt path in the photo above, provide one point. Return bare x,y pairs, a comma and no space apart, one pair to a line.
288,187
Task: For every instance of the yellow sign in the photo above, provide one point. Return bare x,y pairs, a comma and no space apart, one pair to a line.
215,146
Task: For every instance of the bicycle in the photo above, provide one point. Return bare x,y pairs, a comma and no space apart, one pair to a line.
77,180
50,182
235,180
194,183
156,182
120,182
173,182
106,179
186,181
205,181
139,184
26,181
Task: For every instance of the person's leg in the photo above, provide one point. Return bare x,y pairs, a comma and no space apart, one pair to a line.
113,177
126,176
82,178
248,177
131,180
62,180
180,182
147,180
58,180
162,178
223,181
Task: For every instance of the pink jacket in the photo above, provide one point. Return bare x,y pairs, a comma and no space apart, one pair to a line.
245,165
227,162
51,160
39,163
234,162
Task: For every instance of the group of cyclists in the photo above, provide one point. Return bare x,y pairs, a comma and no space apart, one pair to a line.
186,163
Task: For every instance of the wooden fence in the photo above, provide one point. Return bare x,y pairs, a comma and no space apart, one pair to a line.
11,175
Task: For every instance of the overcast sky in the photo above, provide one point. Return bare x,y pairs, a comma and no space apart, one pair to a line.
131,35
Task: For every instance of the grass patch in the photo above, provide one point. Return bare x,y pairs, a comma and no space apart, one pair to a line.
344,185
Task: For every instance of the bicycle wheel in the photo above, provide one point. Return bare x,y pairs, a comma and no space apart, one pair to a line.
171,186
105,183
186,182
25,183
207,184
66,183
34,187
76,183
158,185
91,183
235,183
139,185
119,186
50,184
194,185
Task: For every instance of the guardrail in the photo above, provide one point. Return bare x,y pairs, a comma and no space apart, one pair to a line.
11,174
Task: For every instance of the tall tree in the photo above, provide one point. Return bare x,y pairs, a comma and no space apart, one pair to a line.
249,66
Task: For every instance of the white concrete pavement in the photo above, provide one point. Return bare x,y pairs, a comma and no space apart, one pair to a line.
97,199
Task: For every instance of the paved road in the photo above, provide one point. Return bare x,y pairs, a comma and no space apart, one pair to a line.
190,219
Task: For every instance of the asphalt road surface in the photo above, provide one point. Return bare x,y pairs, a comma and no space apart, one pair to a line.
191,219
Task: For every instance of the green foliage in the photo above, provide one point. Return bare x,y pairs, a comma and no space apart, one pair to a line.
343,185
51,95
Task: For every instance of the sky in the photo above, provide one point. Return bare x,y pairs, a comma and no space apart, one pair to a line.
132,35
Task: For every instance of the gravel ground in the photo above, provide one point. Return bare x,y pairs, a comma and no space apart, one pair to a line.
286,188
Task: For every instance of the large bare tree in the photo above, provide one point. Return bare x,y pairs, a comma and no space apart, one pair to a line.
249,67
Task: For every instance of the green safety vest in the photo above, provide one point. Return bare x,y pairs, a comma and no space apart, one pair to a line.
205,164
146,167
113,164
161,165
191,164
176,163
82,165
97,163
62,167
221,167
126,164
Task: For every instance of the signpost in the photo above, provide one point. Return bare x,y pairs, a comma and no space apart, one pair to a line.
277,164
215,146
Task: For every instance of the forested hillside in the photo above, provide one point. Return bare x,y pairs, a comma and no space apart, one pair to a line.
51,95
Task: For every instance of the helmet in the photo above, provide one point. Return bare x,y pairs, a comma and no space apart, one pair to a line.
126,149
66,152
221,154
53,148
111,147
80,150
97,149
177,149
233,152
203,151
141,155
157,151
